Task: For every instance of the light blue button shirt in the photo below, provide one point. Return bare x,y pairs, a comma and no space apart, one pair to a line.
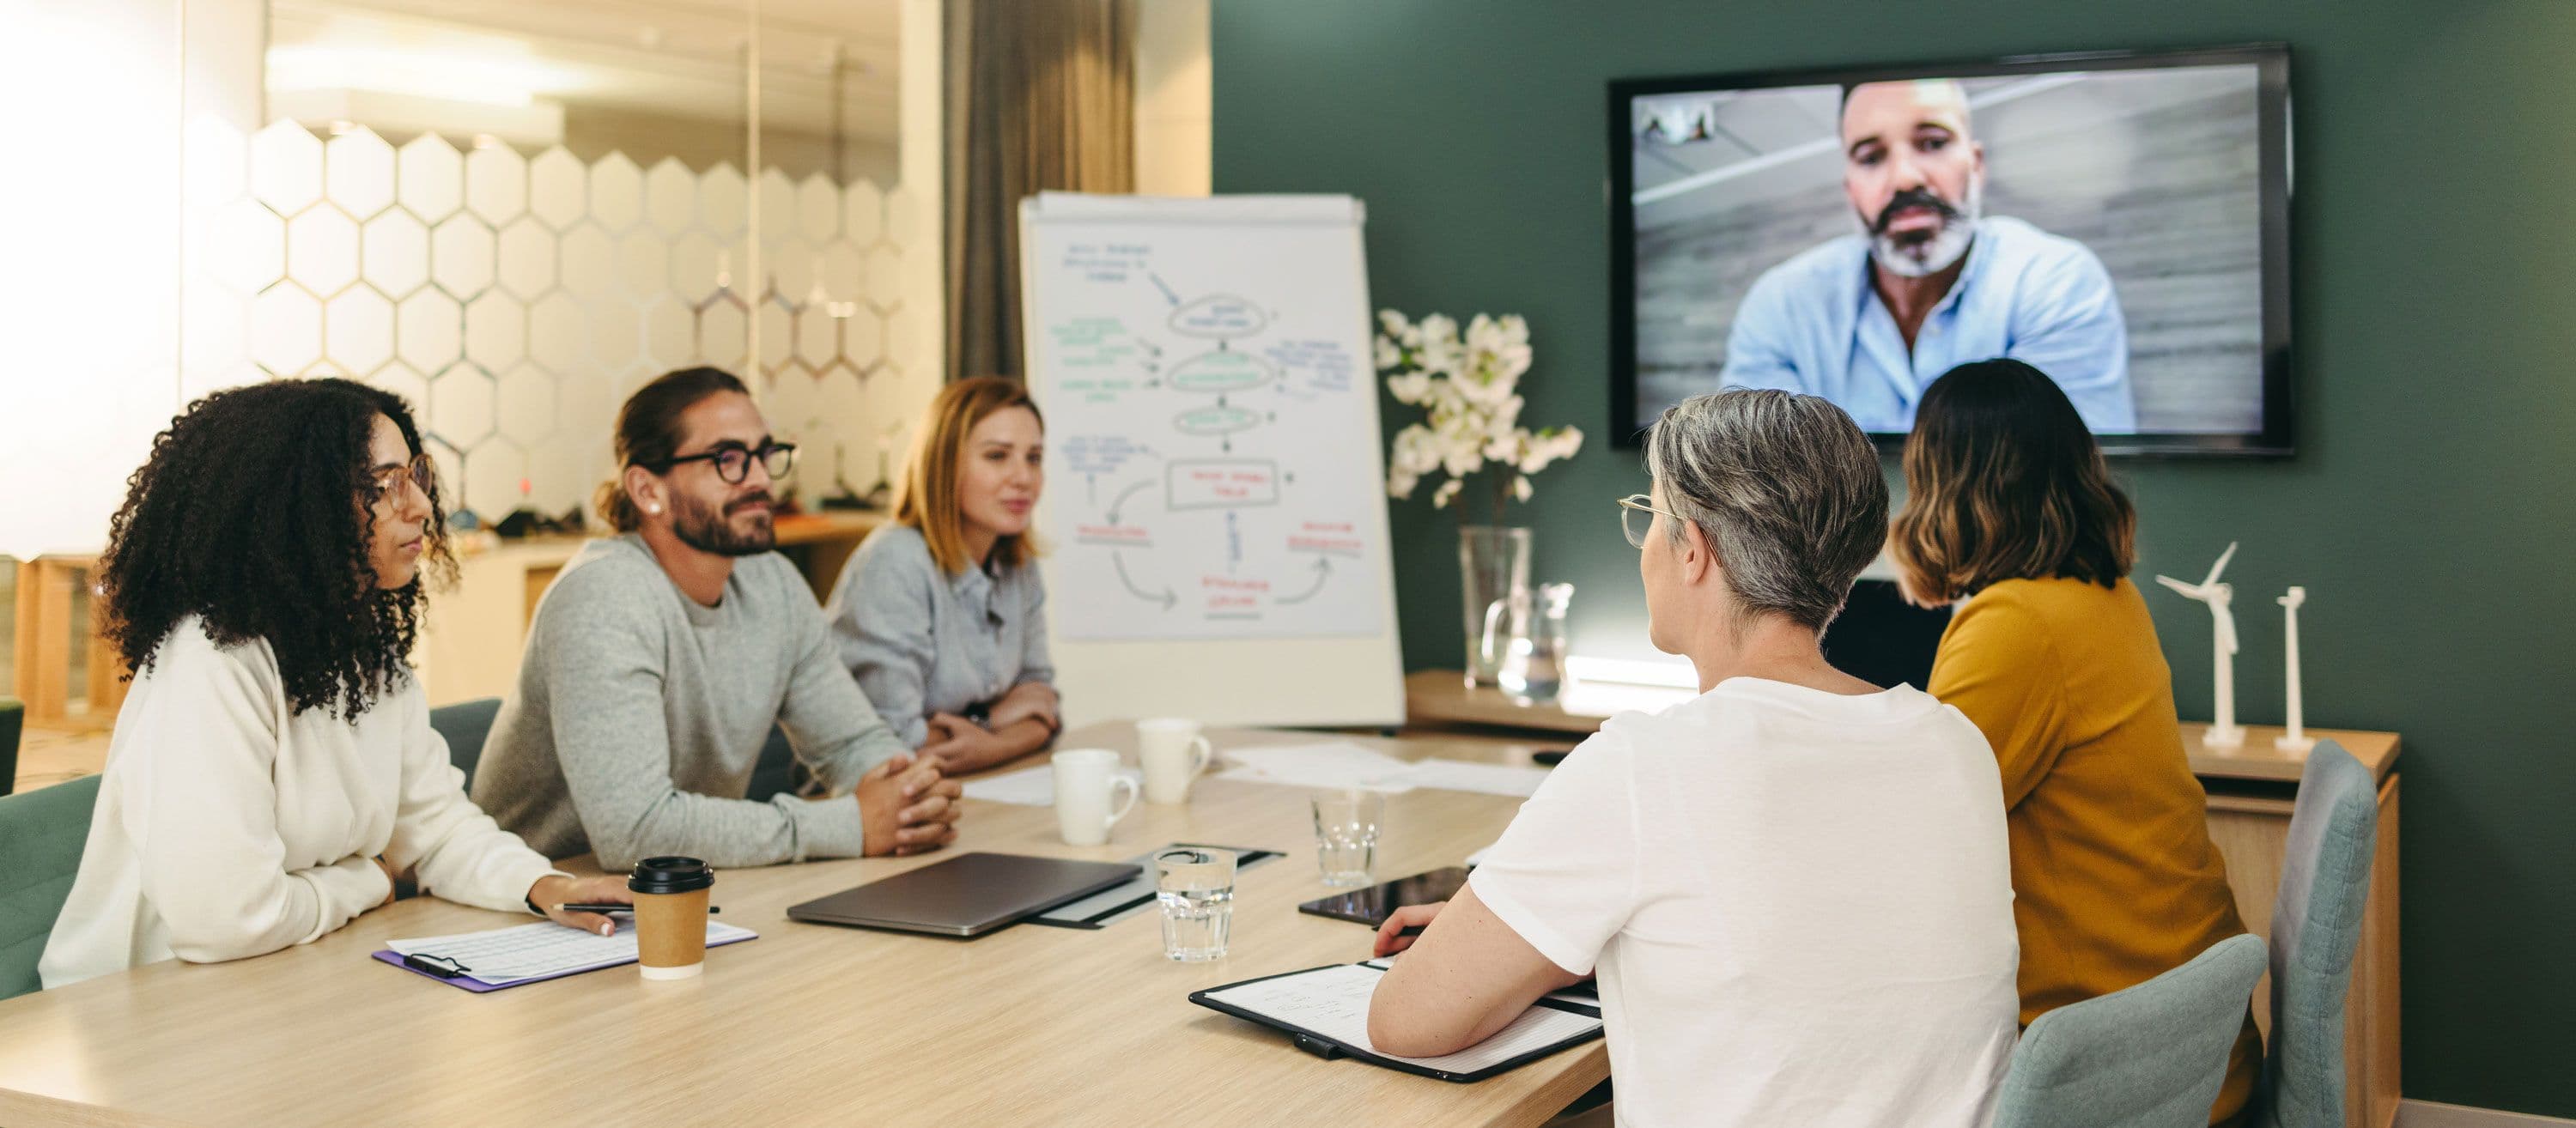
921,641
1814,324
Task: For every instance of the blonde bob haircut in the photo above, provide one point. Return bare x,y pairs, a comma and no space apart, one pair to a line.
927,497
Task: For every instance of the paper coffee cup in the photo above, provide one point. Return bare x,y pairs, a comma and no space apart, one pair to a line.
671,916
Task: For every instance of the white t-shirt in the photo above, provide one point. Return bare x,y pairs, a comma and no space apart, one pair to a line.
1799,903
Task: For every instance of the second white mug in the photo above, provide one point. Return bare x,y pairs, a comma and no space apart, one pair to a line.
1085,780
1173,754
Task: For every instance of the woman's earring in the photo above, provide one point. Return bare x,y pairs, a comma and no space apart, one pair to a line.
653,509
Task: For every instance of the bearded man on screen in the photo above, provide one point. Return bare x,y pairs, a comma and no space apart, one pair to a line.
1869,320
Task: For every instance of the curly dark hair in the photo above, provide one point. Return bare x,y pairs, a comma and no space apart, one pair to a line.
255,514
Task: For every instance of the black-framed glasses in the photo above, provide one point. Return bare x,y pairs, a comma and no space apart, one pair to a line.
733,460
1637,517
388,482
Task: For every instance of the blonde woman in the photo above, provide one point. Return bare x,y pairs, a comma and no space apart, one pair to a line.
939,615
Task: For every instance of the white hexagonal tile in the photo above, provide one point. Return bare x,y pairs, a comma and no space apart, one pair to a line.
322,250
430,177
495,472
885,277
429,330
585,411
527,258
245,246
777,336
863,338
844,445
902,329
558,334
589,261
526,402
818,209
644,264
862,212
214,332
818,337
904,217
358,172
285,167
694,262
402,380
616,192
460,406
217,159
460,256
724,201
845,271
722,338
671,196
777,201
450,465
793,267
559,475
496,183
558,188
670,335
616,334
394,253
733,267
496,331
285,330
358,330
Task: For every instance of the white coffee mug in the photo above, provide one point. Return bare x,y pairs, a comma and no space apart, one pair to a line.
1085,778
1173,753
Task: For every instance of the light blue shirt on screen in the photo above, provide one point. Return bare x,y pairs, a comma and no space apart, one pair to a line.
1814,324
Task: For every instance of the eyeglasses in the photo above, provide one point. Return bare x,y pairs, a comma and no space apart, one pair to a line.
733,460
1637,517
388,482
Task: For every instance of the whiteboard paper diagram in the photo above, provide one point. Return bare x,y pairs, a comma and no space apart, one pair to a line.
1213,469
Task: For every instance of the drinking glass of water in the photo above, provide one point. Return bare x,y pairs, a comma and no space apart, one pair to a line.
1346,827
1196,888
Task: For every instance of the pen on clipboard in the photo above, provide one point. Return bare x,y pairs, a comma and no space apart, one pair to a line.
711,909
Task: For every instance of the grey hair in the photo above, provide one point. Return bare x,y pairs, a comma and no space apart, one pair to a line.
1786,489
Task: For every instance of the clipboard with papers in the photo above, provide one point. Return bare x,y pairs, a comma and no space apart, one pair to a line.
1325,1011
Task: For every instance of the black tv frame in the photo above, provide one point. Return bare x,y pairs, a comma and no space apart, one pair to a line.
2273,140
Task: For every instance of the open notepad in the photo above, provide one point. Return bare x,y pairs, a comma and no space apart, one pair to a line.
507,957
1326,1010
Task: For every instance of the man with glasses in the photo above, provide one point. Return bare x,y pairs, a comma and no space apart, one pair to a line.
661,658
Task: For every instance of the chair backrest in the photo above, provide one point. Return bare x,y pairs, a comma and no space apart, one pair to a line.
466,725
775,772
42,833
2316,924
13,718
2150,1056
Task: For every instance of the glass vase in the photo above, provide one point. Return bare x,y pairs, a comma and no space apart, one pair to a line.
1493,566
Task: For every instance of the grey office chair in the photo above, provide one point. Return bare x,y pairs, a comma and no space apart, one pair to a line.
2151,1056
466,725
2316,925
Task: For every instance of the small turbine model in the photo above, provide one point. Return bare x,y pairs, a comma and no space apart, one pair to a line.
2223,732
2296,741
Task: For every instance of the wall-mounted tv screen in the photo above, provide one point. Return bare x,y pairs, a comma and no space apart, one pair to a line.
2119,221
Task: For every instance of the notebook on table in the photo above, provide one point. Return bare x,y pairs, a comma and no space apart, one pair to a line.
1325,1011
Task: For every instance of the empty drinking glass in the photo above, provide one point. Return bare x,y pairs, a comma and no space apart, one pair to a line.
1346,827
1196,888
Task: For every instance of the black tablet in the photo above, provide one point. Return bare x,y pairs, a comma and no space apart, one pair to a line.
1371,906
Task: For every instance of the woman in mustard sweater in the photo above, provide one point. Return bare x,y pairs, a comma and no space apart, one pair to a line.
2011,514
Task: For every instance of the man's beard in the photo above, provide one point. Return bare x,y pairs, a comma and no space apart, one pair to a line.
709,530
1917,258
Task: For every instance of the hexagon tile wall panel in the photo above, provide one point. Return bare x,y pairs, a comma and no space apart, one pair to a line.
516,300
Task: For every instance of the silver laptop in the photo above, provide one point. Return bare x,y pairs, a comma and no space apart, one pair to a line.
968,895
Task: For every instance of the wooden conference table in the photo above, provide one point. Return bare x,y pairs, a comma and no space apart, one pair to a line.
807,1024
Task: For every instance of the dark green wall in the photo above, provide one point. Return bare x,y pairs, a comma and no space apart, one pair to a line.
2428,511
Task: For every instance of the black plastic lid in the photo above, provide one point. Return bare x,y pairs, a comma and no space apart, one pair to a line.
670,875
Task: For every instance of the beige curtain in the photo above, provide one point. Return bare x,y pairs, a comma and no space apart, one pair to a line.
1041,96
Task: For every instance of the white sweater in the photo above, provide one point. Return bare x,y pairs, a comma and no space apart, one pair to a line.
229,827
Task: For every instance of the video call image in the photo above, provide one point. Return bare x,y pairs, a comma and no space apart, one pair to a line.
1856,243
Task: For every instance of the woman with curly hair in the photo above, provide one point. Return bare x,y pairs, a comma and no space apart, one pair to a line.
273,767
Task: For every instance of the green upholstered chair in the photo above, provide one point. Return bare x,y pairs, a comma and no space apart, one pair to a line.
2316,925
42,834
13,720
2151,1056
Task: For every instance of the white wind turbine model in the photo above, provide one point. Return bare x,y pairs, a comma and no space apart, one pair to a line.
2223,732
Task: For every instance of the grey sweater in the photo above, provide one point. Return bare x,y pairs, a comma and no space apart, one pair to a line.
640,715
